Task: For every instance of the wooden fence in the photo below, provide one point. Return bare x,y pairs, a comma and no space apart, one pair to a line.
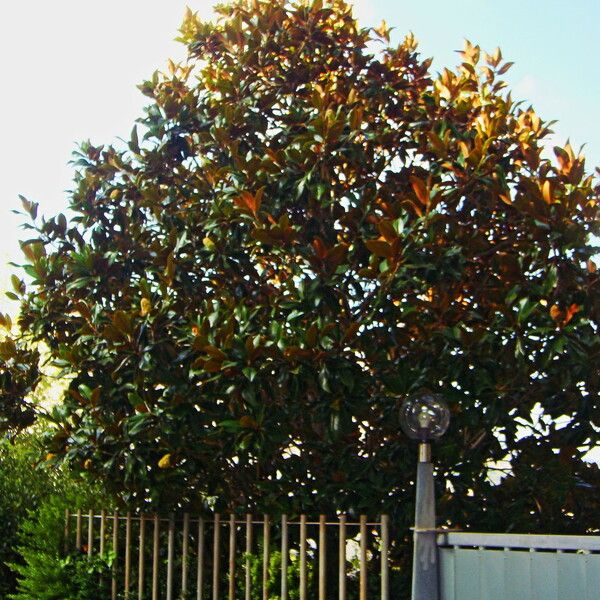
189,557
496,566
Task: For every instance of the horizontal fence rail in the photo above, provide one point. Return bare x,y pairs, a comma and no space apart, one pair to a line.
228,557
494,566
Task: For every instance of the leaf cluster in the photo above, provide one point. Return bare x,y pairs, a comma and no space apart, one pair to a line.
19,377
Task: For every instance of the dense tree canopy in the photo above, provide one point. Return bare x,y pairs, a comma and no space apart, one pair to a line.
307,225
19,376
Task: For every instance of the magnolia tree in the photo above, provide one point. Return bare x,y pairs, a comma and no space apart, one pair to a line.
19,376
306,226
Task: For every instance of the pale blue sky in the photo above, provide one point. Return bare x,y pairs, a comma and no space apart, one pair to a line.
555,46
69,70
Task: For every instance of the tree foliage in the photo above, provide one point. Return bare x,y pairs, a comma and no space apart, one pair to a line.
307,225
19,377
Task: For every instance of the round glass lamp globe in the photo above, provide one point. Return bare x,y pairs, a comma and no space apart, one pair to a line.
424,416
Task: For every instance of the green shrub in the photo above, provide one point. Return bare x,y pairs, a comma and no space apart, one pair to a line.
45,574
33,499
274,576
87,578
19,480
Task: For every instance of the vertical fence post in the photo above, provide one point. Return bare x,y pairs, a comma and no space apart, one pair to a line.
248,552
363,558
90,535
200,561
170,556
155,557
265,574
385,544
184,554
342,559
115,544
322,559
284,557
141,557
302,557
78,531
127,555
102,531
231,556
216,555
67,530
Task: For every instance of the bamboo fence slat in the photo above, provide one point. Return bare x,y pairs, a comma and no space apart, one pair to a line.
342,559
216,555
248,552
78,531
363,558
67,529
127,555
185,549
200,561
284,557
155,548
385,544
265,575
170,556
303,557
231,556
322,559
115,548
141,563
102,531
90,534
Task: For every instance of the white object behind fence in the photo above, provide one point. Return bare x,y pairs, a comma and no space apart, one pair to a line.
479,566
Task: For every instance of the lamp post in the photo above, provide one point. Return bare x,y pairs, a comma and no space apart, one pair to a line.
425,417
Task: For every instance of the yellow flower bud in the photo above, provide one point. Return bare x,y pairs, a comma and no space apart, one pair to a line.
165,462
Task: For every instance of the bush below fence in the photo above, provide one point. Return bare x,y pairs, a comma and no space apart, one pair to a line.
28,489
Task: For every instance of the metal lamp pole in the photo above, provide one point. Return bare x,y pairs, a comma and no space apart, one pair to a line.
425,417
